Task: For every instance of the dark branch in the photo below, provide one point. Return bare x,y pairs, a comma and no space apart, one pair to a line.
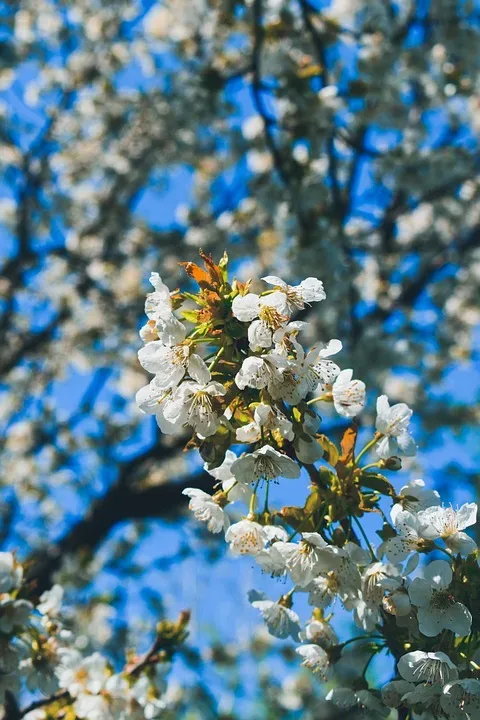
120,503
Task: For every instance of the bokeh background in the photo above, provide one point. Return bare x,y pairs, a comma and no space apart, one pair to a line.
339,140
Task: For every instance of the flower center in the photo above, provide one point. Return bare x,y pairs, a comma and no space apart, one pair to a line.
248,542
179,355
265,468
272,317
431,671
333,582
294,298
442,600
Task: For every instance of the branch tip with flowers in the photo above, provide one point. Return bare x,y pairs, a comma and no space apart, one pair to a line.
40,652
258,394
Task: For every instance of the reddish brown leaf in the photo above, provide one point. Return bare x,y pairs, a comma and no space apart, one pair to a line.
214,271
347,444
196,272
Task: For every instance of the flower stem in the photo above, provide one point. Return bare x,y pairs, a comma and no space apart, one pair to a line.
320,398
265,508
253,499
216,358
364,535
370,465
368,446
361,637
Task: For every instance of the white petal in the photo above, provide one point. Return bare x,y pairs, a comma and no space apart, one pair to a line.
332,348
458,619
467,515
311,290
406,443
148,397
420,592
398,549
274,280
386,447
439,574
288,468
248,433
383,409
170,330
430,621
245,307
198,370
259,336
461,543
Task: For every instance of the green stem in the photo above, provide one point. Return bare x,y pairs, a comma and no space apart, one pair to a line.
361,637
437,547
216,358
320,398
367,664
368,446
225,492
370,465
253,499
364,535
265,508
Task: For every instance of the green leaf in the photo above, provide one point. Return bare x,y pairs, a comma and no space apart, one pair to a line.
376,482
330,450
190,315
295,517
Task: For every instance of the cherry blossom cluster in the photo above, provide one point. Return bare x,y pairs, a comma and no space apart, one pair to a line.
228,366
40,653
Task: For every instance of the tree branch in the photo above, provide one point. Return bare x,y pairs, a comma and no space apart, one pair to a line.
121,502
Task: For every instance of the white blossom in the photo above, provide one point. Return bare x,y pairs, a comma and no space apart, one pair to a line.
281,621
268,419
258,372
461,699
320,632
194,402
297,296
348,394
315,658
423,667
246,538
306,559
437,608
51,601
236,491
11,572
78,675
207,510
268,310
416,496
169,364
151,400
408,540
265,463
315,370
392,422
158,308
448,524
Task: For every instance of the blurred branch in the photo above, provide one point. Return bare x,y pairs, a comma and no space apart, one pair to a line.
430,267
268,121
330,142
123,501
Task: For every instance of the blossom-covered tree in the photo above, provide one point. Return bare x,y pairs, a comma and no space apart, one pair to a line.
333,141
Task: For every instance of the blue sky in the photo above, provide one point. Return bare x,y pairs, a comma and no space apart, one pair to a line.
216,592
